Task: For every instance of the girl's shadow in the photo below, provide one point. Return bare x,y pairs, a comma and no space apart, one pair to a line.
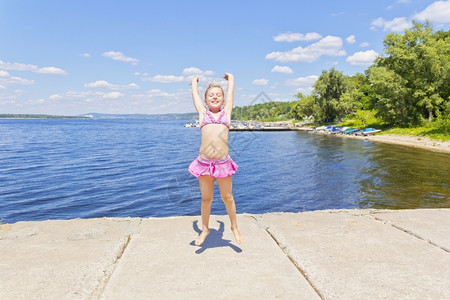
214,239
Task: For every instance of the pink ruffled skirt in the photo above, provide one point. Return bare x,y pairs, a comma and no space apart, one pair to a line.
217,168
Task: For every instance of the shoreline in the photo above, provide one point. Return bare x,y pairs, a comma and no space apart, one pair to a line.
414,141
396,139
407,140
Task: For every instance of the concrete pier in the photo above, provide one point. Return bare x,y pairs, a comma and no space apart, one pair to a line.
332,254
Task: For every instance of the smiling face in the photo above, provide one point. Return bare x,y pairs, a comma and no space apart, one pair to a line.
214,98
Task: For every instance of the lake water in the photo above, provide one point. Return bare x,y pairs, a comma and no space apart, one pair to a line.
63,169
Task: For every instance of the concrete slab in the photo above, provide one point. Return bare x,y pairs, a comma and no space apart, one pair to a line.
60,259
344,254
351,255
162,262
432,225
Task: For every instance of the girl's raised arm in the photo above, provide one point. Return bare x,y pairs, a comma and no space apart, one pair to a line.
228,106
196,97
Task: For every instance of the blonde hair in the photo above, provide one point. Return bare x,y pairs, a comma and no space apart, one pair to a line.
212,85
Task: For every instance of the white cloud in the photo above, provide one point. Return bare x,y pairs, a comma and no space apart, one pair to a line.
351,39
305,91
6,79
86,55
71,95
98,84
119,56
103,84
87,96
282,69
397,2
261,81
364,44
338,14
295,37
303,81
17,66
156,94
19,81
438,12
196,71
329,45
191,72
112,95
165,78
187,75
362,58
55,97
32,68
10,97
396,24
35,101
51,70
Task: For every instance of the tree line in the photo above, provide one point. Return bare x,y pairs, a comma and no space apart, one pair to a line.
408,85
268,111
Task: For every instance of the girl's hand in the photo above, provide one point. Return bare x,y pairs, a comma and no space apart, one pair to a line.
227,76
194,80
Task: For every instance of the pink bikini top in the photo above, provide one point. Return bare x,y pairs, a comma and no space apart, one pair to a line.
209,119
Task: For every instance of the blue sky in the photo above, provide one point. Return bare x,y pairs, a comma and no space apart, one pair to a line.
76,57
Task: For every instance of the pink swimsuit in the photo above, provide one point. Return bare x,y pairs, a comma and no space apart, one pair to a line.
209,119
217,168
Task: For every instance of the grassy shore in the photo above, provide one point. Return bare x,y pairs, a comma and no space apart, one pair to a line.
437,130
433,136
433,132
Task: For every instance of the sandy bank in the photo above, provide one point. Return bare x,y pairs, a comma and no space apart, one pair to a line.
404,140
410,141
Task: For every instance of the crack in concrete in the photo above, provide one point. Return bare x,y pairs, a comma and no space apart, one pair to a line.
411,233
108,273
285,249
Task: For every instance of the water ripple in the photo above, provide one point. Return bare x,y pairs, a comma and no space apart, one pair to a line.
60,169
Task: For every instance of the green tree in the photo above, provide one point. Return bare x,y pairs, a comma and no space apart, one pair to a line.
357,96
269,111
392,97
328,89
305,107
417,65
365,96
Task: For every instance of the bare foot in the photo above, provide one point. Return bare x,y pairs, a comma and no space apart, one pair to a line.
237,235
201,238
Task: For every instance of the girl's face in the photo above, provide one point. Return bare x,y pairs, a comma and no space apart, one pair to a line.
214,98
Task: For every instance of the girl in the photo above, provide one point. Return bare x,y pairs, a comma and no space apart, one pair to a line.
214,162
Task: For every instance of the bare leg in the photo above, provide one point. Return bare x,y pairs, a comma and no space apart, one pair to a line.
207,189
226,193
